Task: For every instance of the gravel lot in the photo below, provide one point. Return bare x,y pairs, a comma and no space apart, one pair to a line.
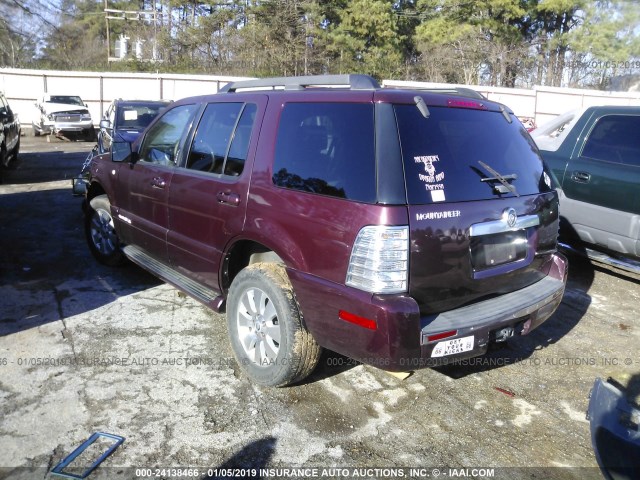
86,348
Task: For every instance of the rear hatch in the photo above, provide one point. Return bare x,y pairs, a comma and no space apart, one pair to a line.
483,214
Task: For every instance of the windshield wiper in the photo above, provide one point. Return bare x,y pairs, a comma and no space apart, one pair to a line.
497,177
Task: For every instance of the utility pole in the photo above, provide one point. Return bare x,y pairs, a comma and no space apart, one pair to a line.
128,15
106,19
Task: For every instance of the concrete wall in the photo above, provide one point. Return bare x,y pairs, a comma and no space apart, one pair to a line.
22,87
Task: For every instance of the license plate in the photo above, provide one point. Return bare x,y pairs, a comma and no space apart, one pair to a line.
451,347
68,118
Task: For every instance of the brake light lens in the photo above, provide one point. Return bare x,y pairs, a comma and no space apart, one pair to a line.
459,103
379,260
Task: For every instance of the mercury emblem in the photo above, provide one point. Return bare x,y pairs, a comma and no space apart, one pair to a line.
510,216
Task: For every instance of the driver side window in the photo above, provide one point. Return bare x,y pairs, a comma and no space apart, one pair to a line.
163,141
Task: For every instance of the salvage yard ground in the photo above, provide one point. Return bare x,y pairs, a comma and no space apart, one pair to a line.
87,348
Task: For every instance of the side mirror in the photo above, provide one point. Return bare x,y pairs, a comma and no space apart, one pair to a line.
105,124
121,152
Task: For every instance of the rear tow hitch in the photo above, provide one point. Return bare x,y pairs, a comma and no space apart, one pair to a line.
503,334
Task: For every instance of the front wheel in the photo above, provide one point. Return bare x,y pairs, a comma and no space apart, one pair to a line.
16,150
3,160
266,331
101,233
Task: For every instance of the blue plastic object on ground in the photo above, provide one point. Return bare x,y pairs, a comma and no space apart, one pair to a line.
59,469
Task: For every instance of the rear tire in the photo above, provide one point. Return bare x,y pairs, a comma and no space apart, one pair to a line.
101,234
266,330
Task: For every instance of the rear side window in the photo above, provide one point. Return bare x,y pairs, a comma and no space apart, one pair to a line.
222,139
442,155
239,148
327,149
615,138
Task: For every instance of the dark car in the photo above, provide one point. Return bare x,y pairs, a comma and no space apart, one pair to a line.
124,120
401,228
594,154
9,134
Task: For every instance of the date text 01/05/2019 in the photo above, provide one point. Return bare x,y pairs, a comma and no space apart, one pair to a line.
604,64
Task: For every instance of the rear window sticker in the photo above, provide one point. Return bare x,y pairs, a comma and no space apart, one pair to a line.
437,195
430,169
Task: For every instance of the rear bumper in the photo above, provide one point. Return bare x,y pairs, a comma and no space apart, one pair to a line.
401,341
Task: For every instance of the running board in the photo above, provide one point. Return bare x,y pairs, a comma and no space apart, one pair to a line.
209,297
626,264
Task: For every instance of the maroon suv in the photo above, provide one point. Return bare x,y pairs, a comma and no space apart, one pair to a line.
401,228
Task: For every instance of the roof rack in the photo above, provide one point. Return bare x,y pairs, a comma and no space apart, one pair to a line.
354,82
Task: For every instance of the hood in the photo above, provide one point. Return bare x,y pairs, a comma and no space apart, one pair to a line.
61,107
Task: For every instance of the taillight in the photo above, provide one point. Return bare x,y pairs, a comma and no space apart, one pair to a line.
379,260
357,320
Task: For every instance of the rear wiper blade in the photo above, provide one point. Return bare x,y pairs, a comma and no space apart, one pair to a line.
503,179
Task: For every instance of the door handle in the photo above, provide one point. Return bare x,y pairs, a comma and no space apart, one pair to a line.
158,182
581,177
229,198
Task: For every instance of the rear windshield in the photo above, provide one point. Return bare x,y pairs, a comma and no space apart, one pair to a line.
442,155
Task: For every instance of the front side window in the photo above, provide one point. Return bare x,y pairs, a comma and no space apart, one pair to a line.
614,138
111,115
221,142
327,149
162,142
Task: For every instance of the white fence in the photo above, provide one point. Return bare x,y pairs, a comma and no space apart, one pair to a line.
23,87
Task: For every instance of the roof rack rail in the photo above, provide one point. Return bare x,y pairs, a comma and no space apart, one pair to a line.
459,91
354,82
